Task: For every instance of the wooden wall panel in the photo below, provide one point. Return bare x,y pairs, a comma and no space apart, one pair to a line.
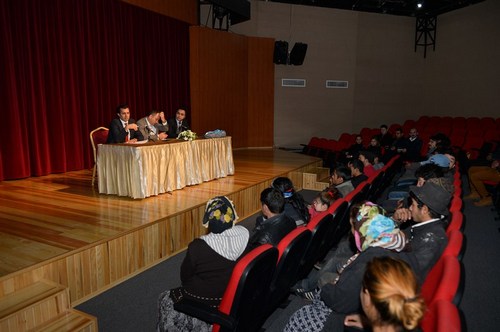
219,82
260,92
232,80
183,10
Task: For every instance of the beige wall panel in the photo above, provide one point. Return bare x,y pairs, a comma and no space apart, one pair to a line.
461,76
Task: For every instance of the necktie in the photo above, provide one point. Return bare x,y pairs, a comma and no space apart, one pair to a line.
128,133
178,127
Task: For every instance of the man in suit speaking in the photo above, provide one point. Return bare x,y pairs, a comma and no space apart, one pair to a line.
123,129
177,124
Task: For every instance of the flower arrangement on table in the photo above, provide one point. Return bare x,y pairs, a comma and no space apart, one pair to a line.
187,135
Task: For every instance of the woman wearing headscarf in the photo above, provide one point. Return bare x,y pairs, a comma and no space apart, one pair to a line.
375,235
295,205
207,267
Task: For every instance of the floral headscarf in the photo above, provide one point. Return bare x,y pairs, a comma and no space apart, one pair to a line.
220,214
373,229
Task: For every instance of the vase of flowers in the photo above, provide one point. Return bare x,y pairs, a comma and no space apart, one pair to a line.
187,135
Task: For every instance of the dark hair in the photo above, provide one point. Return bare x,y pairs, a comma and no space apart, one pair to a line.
357,164
285,186
383,126
274,200
153,112
343,172
377,139
120,107
429,171
368,155
399,129
328,196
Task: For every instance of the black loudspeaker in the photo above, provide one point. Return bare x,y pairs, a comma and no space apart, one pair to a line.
280,56
298,54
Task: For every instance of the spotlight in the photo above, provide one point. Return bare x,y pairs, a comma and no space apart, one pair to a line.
419,5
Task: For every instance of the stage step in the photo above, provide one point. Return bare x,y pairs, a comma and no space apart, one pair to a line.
70,321
34,306
316,179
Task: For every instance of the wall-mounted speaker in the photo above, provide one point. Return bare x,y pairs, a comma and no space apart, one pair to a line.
280,56
298,54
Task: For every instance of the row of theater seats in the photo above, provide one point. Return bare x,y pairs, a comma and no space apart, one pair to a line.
470,135
261,281
443,288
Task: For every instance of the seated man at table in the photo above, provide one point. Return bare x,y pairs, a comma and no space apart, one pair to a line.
123,129
178,124
154,127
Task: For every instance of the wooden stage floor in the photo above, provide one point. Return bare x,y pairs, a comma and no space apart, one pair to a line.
50,219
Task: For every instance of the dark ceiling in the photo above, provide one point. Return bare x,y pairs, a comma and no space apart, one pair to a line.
393,7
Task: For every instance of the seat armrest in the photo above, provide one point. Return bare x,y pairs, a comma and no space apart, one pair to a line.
204,312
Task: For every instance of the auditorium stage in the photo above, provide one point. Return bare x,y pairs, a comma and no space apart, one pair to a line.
59,228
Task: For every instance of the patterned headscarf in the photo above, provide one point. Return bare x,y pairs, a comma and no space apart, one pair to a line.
373,229
220,214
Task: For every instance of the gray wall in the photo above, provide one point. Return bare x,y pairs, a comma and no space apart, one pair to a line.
388,81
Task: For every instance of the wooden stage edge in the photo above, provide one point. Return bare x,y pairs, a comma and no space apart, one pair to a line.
58,227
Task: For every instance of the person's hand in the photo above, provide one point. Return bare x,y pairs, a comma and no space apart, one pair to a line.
132,126
353,320
162,117
162,135
495,164
402,214
133,140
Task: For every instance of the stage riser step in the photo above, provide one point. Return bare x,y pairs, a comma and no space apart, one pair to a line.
33,305
316,179
71,321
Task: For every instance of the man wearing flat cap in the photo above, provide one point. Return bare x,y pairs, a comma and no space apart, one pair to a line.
428,208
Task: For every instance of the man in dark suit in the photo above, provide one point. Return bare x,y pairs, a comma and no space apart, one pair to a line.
123,129
177,124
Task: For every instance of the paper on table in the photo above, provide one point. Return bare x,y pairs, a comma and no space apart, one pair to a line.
138,142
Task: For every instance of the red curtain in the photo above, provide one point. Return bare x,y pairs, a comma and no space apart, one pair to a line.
66,65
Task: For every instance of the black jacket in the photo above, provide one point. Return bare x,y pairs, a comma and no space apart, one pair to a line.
271,230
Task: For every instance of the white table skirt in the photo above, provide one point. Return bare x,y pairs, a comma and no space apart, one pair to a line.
145,170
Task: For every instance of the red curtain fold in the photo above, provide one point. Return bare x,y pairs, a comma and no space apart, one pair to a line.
64,67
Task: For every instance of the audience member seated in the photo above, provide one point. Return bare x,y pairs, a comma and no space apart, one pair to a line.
353,151
358,176
374,235
389,298
367,158
323,200
154,126
414,146
337,257
374,146
123,129
398,146
377,163
207,267
385,138
340,179
477,176
437,144
428,210
274,224
295,205
401,192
